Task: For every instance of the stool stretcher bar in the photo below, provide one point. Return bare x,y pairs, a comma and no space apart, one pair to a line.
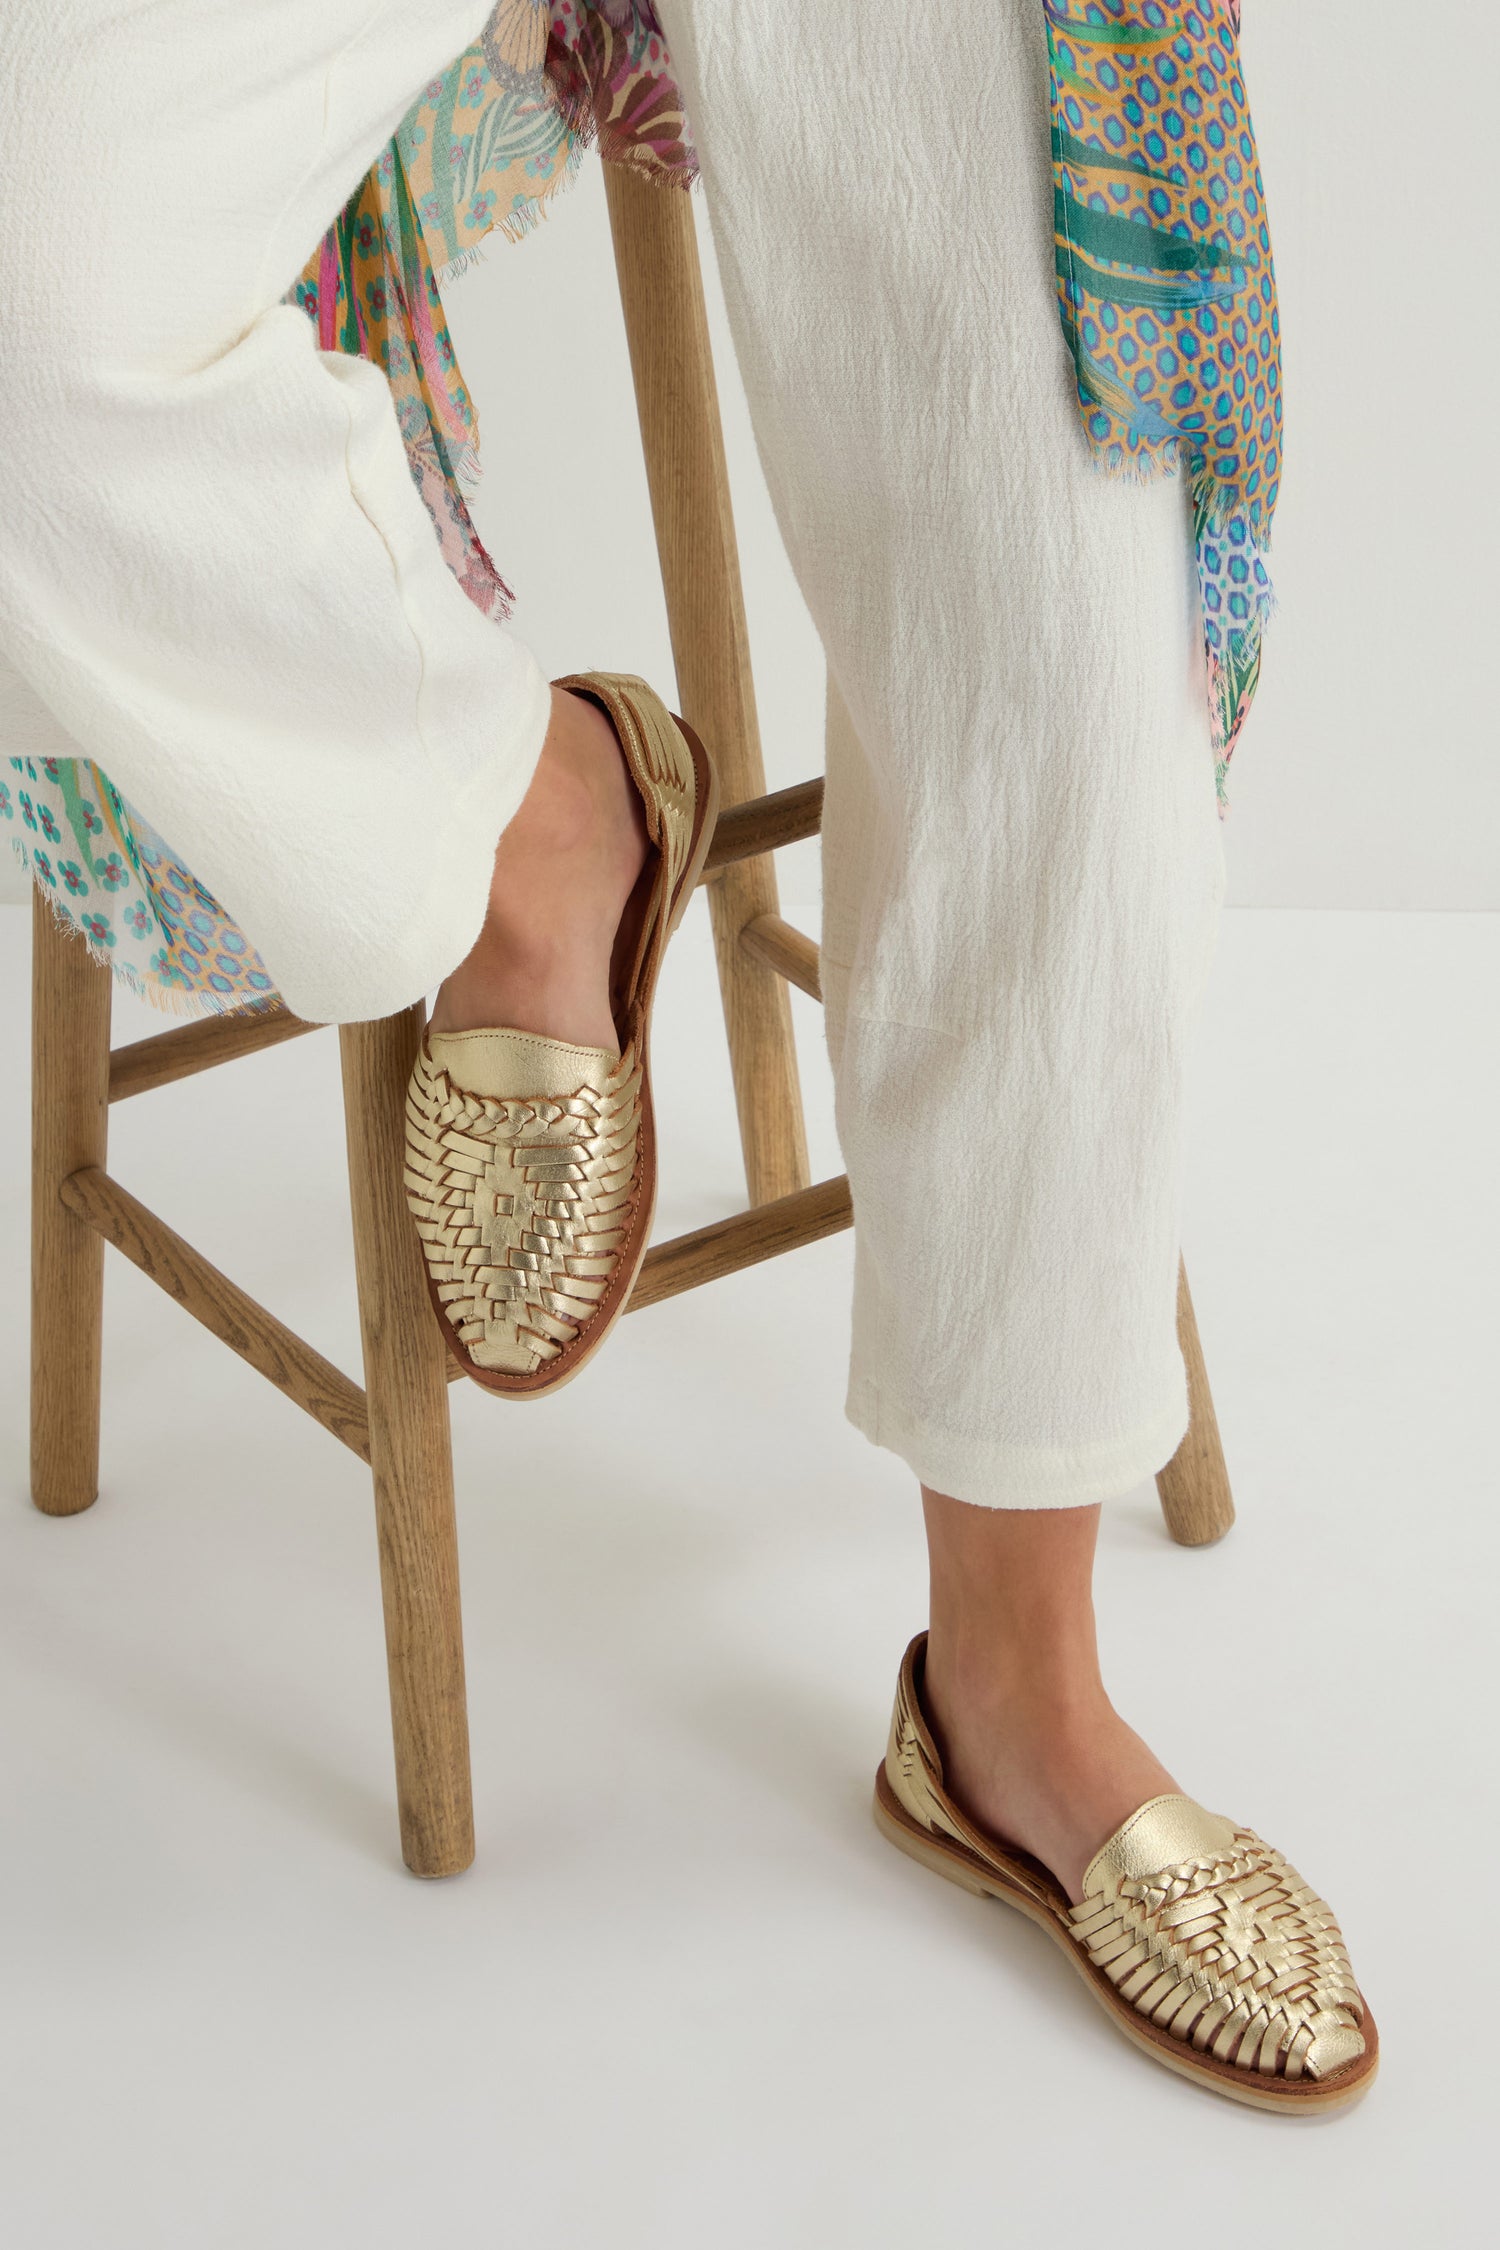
764,824
785,950
148,1063
747,1239
311,1381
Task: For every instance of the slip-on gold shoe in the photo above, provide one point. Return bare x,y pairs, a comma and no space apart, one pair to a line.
531,1163
1206,1948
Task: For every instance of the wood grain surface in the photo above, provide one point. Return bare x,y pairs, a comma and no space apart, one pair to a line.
168,1055
786,950
764,1231
271,1348
410,1455
70,1009
661,290
1194,1485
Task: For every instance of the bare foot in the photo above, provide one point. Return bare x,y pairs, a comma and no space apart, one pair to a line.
1032,1747
566,869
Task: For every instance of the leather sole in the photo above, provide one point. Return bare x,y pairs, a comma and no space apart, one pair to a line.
1020,1888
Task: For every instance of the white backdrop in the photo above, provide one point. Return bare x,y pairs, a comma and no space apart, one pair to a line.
1368,776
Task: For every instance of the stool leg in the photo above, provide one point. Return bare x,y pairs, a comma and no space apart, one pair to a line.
1194,1485
661,290
70,997
410,1456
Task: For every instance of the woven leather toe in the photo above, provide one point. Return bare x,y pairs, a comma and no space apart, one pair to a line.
1212,1935
521,1173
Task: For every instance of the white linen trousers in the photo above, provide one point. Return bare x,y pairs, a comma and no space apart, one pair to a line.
216,577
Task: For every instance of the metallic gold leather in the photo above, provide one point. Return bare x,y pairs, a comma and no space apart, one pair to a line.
512,1066
912,1765
1210,1933
662,767
1162,1830
521,1203
1204,1929
523,1153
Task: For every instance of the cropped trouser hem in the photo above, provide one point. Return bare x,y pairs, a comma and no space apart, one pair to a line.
1021,855
1007,1476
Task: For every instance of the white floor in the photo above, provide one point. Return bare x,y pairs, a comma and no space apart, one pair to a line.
687,1997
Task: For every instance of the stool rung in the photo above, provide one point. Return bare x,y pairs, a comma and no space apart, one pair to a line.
145,1063
308,1379
745,1240
786,950
764,824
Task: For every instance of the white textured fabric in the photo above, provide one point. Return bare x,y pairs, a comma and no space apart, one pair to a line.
214,570
1022,863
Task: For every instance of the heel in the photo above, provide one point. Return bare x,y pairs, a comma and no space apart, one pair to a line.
707,779
904,1833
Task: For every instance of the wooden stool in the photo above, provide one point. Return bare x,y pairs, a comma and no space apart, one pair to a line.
399,1422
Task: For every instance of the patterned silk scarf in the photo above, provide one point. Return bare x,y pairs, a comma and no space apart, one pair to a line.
1165,290
485,147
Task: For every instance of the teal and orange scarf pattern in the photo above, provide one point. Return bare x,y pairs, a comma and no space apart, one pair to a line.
1165,289
1167,292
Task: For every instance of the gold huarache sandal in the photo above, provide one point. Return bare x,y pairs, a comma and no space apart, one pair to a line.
1205,1947
531,1163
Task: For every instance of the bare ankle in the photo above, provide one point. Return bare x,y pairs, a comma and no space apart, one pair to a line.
1050,1697
1032,1747
581,798
564,871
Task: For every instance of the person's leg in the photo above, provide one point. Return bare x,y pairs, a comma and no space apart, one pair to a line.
215,570
1032,1746
565,869
1022,862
